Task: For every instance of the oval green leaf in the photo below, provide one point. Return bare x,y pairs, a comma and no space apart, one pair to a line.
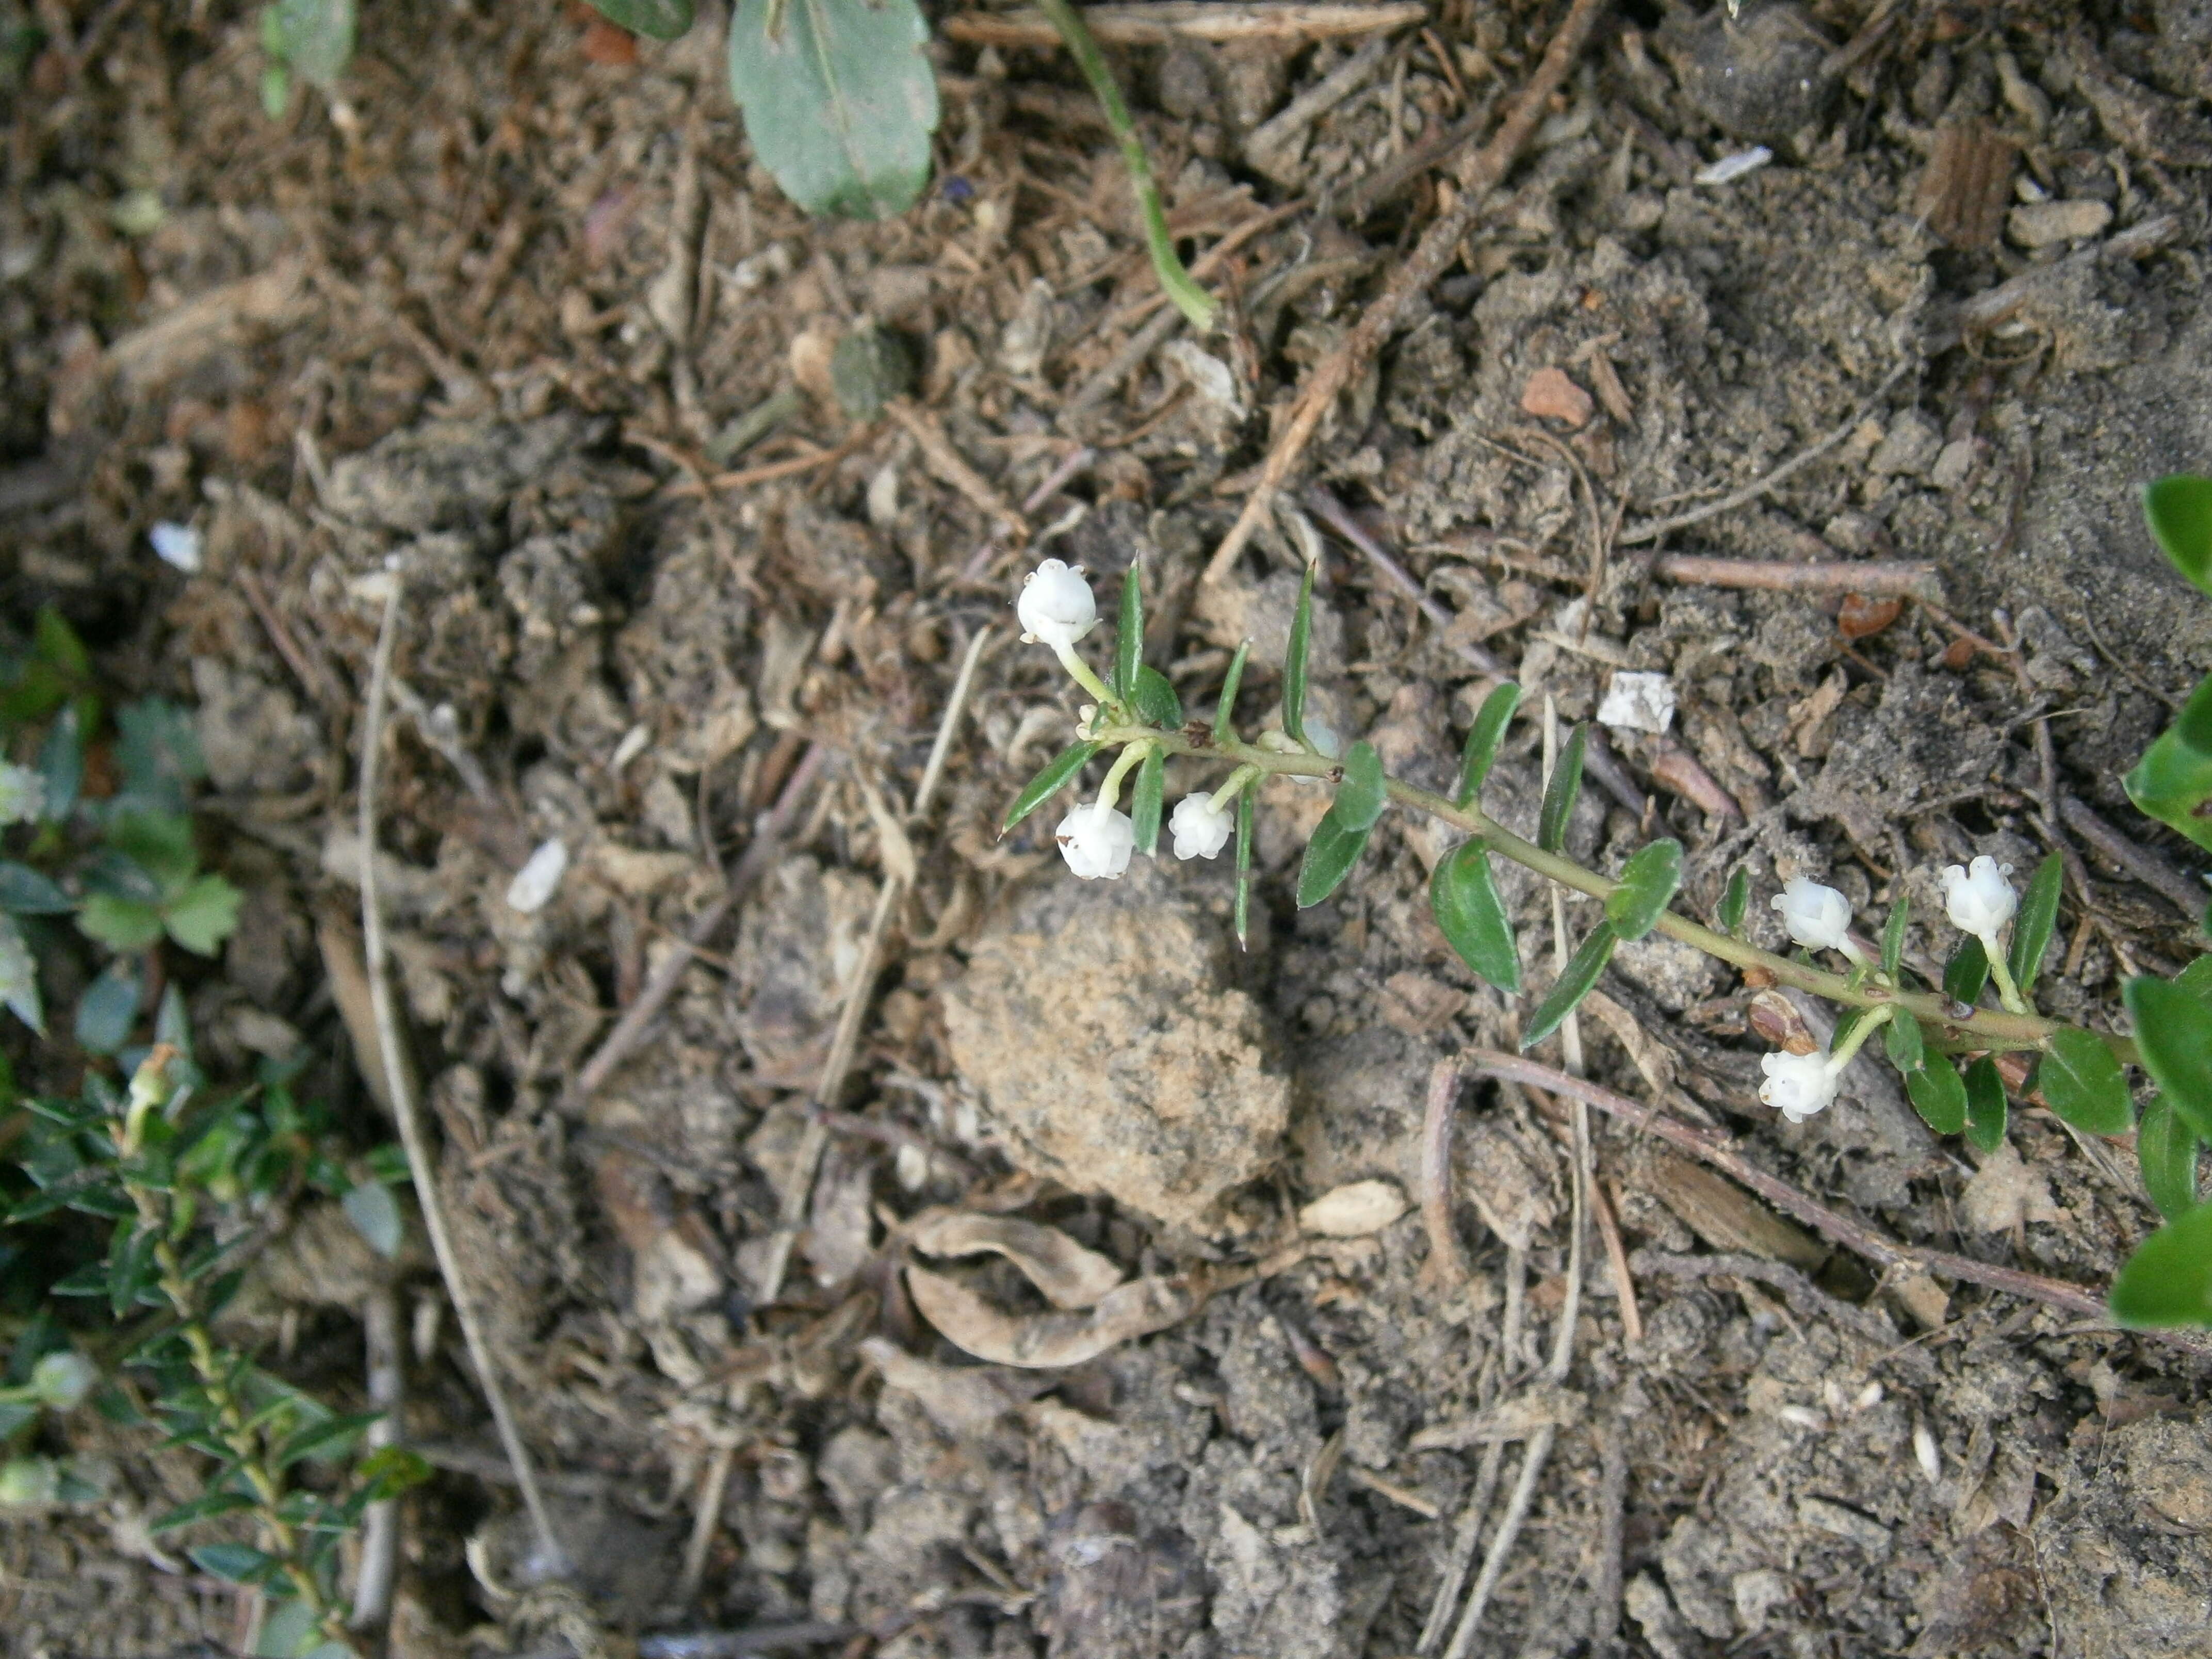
2080,1081
1892,937
1129,638
2168,1281
1901,1039
205,1507
1329,857
25,892
1463,898
1364,792
1224,713
1157,703
1985,1105
2173,1036
1967,972
840,101
1562,792
1735,900
1145,806
1939,1097
239,1563
1047,783
1294,662
2166,1148
1648,885
1483,739
2038,914
2172,782
1575,981
2179,510
664,20
314,37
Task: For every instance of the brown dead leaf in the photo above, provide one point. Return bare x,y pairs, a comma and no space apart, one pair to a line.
1551,396
1043,1341
1067,1274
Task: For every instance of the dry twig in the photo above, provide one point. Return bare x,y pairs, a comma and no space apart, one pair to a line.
1162,23
1876,578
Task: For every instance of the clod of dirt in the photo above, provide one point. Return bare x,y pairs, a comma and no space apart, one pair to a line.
1759,76
1110,1054
2126,1548
440,474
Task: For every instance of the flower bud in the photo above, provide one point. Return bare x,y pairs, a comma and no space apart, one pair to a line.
29,1483
1819,917
1056,606
23,794
1979,900
62,1380
1797,1086
1200,831
1096,840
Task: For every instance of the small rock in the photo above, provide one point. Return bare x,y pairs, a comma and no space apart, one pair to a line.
1954,464
2039,224
1911,445
1638,702
1354,1211
1551,396
176,545
534,884
1761,77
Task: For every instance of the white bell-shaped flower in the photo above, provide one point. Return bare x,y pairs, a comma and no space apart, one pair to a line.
1979,899
23,794
1798,1085
1056,605
1200,829
1819,917
62,1380
1096,840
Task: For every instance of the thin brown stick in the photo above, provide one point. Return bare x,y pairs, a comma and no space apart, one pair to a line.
1446,1261
2190,898
767,843
1338,517
1616,1256
1876,578
1161,22
1709,1146
1438,246
706,1520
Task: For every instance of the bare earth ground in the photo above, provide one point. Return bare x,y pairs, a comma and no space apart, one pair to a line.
493,313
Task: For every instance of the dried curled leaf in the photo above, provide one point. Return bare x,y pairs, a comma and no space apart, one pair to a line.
1068,1275
1041,1341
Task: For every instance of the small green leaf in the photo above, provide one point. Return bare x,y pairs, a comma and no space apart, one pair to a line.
2172,782
374,1214
839,99
1294,662
239,1563
1058,772
1985,1105
109,1007
333,1436
1901,1039
203,915
2196,980
289,1631
1483,739
391,1470
61,763
1648,885
122,925
1562,792
2166,1147
1967,972
25,892
664,20
2179,510
1157,703
868,368
19,987
2037,915
1224,713
161,844
1144,805
1129,642
205,1507
1735,900
159,752
1574,982
1893,938
314,37
1938,1096
2168,1280
1244,907
1463,898
1364,792
1329,858
2173,1036
2080,1081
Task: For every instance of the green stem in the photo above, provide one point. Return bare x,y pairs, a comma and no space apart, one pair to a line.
1110,791
1854,1039
2008,992
1083,677
1239,780
1194,301
1982,1029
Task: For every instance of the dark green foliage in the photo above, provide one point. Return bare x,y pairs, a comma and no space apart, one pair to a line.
1561,792
1575,981
1986,1108
1048,782
2037,915
1464,899
1648,885
1483,739
2082,1082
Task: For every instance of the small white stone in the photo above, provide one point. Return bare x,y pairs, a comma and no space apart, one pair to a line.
2041,224
1638,702
176,545
534,884
1354,1211
1924,1452
1731,167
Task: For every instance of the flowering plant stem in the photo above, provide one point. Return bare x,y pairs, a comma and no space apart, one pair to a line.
1950,1031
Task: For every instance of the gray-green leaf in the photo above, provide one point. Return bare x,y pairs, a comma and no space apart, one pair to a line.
1562,792
315,37
1156,700
2037,916
1294,661
2173,1035
1733,901
1938,1096
1985,1105
1483,739
839,102
2166,1147
1902,1040
1647,887
1967,972
664,20
1145,805
1892,937
1575,981
1129,640
1463,898
2080,1081
1048,782
1364,792
1224,713
1329,857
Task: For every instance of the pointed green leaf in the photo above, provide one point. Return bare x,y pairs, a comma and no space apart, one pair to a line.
1463,898
1562,792
2172,782
1243,870
1967,972
1144,805
205,1507
239,1563
2179,510
1574,982
25,892
1483,739
2166,1147
1294,661
839,100
1361,797
1058,772
2173,1036
1985,1105
1157,703
2080,1080
1735,900
664,20
2168,1280
159,750
391,1470
1329,857
204,915
161,844
331,1437
2037,915
1902,1040
109,1007
1938,1096
1893,938
61,763
1129,641
1648,885
1224,713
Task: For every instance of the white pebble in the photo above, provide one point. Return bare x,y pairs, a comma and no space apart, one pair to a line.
535,883
176,545
1803,1417
1924,1452
1868,1398
1729,169
1354,1211
1638,702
